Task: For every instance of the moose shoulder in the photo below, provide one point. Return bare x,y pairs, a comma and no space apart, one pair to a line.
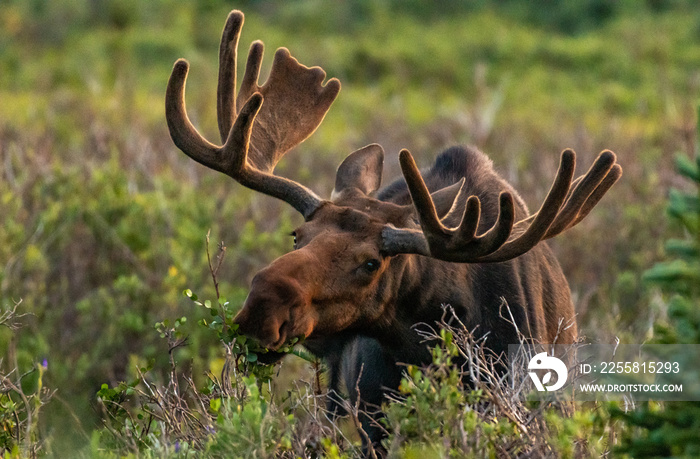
370,263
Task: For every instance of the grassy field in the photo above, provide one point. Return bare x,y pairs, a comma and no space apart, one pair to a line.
104,220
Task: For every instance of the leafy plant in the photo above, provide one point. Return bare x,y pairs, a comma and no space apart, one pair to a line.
671,429
230,415
473,410
22,396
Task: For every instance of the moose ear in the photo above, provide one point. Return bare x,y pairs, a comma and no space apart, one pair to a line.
362,169
450,199
449,202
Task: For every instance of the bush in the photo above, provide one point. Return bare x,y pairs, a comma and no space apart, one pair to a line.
474,410
671,429
22,397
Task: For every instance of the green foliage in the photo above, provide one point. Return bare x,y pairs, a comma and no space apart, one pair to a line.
231,416
681,275
436,414
582,434
244,351
252,428
236,409
22,397
671,429
433,413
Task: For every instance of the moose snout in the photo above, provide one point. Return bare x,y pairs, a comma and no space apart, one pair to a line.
274,311
253,323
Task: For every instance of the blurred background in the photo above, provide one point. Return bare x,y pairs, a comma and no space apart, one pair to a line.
104,220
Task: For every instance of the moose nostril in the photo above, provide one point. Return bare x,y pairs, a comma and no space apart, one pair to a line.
268,313
257,322
282,333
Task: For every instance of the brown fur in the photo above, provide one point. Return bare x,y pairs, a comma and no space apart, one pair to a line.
362,321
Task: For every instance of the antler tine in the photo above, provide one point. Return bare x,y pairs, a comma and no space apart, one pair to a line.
296,103
582,190
460,243
421,196
469,223
581,200
226,89
184,134
610,179
544,218
566,204
249,84
497,235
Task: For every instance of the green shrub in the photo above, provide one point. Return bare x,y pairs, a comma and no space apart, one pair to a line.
671,429
22,396
435,414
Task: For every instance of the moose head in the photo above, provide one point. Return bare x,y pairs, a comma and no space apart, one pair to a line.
357,252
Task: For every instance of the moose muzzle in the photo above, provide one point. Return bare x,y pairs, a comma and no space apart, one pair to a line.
276,310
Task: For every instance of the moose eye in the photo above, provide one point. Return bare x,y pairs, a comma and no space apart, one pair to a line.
371,265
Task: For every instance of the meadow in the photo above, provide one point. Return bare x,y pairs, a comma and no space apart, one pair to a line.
105,221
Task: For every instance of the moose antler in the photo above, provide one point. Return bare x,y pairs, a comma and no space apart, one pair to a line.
566,204
256,136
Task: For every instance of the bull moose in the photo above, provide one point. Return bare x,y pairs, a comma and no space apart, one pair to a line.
369,263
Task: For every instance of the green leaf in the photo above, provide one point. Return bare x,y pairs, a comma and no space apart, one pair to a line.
215,404
687,168
684,248
190,294
304,355
672,271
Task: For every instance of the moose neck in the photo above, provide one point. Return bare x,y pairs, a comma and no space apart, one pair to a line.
489,299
